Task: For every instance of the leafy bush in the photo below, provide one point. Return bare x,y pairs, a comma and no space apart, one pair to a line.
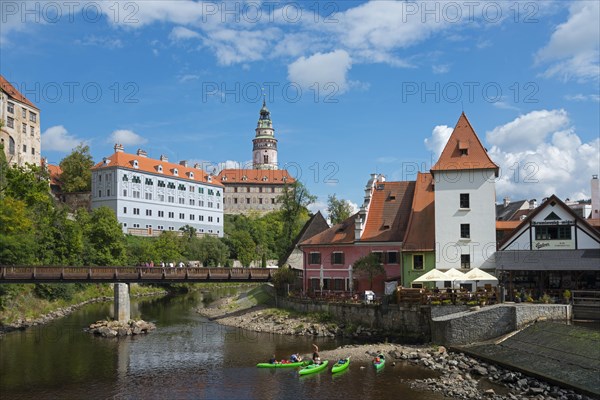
55,291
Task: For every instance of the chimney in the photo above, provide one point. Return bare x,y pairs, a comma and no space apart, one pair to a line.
359,223
506,201
119,148
532,204
164,158
595,197
142,153
183,163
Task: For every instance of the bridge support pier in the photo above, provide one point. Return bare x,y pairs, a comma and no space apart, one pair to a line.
122,302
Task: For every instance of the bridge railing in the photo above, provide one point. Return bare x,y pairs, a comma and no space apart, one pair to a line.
120,274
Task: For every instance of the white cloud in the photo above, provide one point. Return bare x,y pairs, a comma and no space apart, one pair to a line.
57,138
439,138
188,78
182,33
574,47
126,138
324,69
555,161
234,46
583,97
440,69
528,131
100,41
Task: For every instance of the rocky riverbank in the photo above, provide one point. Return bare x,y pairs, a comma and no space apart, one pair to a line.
111,329
460,376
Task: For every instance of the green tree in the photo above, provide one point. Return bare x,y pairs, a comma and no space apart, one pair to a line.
294,200
104,239
243,246
189,232
338,209
168,247
76,170
212,252
141,249
369,266
283,277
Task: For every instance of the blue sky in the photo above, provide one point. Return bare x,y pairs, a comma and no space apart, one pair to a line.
353,87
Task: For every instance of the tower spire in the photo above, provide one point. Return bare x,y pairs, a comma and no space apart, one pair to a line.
264,149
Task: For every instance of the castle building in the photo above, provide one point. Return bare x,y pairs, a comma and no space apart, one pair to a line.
20,132
150,196
256,189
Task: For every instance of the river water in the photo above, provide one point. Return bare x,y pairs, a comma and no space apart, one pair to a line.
186,357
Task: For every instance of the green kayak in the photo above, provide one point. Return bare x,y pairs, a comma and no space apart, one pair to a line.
381,363
284,365
313,368
340,365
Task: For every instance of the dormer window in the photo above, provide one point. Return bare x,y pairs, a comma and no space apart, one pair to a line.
191,175
464,152
135,164
175,172
160,169
264,178
244,178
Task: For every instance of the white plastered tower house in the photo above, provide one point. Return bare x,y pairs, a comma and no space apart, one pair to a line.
465,194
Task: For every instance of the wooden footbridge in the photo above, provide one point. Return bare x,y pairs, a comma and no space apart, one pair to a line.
121,276
28,274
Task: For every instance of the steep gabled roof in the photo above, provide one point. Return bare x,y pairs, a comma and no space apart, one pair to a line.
255,176
315,225
420,234
534,213
389,212
145,164
387,220
11,91
342,233
464,150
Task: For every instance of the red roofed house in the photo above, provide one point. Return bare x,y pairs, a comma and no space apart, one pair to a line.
256,189
20,132
378,227
151,196
465,202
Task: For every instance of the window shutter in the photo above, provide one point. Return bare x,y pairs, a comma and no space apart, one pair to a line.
332,258
343,261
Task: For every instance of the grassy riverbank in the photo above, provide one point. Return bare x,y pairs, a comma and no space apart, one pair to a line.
26,302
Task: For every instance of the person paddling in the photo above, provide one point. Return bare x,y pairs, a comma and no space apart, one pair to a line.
316,357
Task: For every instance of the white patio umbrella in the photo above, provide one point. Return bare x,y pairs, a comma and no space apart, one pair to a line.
350,282
454,275
435,275
479,275
321,277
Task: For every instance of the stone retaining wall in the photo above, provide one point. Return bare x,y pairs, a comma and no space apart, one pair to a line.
410,322
491,322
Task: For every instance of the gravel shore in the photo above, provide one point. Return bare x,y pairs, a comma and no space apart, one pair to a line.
460,376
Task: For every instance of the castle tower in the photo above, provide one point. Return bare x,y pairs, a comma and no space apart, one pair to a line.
264,149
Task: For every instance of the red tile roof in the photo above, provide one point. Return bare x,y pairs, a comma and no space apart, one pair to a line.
255,176
420,233
389,212
464,138
14,93
54,171
145,164
386,221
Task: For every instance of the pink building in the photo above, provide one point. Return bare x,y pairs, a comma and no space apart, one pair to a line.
378,227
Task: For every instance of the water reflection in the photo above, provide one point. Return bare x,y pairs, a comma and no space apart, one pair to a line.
187,357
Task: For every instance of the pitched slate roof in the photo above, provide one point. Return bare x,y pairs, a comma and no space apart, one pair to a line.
11,91
508,212
315,225
420,233
464,139
145,164
548,260
387,218
255,176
